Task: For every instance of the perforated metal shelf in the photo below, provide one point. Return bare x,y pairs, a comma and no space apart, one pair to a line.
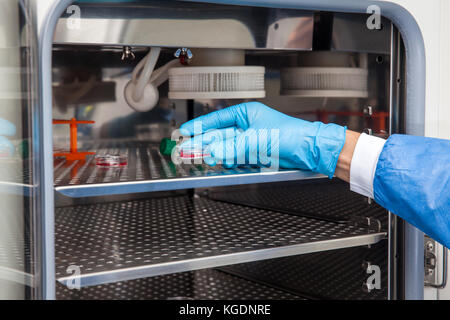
120,241
148,171
323,199
207,284
337,274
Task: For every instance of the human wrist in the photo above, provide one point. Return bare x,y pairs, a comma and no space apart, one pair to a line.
345,157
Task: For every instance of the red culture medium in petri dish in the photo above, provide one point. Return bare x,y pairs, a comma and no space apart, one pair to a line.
111,160
193,154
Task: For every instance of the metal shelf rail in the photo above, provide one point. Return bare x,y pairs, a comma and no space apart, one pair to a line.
127,240
149,171
208,284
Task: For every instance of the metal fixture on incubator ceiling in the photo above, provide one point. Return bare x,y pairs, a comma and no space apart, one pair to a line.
184,54
128,53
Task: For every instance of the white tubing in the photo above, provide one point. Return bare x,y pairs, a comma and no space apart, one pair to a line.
138,68
162,74
144,78
150,96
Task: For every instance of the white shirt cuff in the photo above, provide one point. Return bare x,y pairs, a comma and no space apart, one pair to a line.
364,164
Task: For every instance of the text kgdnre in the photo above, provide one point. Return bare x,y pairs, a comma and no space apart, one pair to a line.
236,309
231,309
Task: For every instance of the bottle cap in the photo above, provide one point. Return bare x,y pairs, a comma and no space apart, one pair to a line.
166,146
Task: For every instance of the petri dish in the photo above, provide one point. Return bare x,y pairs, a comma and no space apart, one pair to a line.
111,160
193,153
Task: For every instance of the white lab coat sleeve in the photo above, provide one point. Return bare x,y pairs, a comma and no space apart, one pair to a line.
364,164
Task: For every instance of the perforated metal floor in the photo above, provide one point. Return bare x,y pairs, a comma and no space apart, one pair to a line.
148,170
135,239
205,284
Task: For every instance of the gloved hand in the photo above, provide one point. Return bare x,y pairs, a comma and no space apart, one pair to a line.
6,129
228,135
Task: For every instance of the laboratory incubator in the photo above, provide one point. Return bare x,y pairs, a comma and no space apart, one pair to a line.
108,213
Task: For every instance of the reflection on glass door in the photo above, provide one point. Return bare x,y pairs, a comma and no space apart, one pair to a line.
17,203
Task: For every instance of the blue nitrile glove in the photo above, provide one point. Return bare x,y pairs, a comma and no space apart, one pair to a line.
228,135
6,129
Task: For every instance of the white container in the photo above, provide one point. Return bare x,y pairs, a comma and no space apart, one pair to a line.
235,82
324,82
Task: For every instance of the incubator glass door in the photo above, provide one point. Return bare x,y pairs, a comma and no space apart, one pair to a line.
18,188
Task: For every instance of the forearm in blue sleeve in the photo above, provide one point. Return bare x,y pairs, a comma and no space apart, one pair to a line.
412,180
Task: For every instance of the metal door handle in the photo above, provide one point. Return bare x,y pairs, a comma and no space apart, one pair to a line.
443,283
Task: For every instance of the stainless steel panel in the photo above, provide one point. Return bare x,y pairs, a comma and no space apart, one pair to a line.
181,24
136,239
148,170
350,33
201,284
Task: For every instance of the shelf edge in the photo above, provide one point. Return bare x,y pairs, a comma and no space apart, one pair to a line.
104,277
